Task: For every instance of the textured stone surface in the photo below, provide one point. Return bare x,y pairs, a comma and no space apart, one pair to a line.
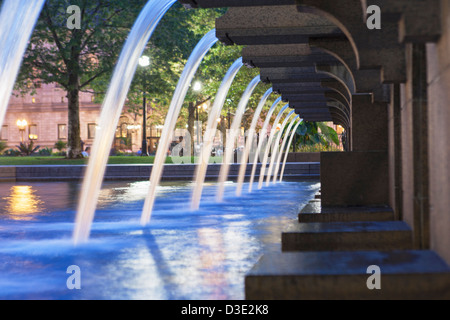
395,149
347,236
419,20
354,178
271,25
370,124
343,275
314,212
439,136
373,48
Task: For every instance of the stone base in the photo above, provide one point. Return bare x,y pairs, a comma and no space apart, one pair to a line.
314,212
354,178
343,275
347,236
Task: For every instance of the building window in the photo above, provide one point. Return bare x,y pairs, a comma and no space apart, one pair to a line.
33,100
154,131
4,133
124,130
92,127
62,132
32,131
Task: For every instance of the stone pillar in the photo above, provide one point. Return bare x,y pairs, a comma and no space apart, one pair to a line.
395,159
438,61
369,124
414,125
360,177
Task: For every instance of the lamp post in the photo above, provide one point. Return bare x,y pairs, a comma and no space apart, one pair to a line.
22,124
197,88
144,62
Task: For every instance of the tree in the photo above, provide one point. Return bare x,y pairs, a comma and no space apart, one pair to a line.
316,133
83,59
76,58
169,48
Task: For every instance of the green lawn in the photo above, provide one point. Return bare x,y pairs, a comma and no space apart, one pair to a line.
29,161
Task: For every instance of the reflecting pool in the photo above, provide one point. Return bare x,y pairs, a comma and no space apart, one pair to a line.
183,254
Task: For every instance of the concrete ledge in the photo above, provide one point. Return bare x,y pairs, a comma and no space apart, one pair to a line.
343,275
314,212
7,174
347,236
303,157
182,172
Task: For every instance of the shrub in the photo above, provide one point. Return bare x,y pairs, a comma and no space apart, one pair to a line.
46,152
60,145
12,153
27,149
3,146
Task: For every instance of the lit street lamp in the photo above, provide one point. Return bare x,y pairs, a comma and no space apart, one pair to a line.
197,88
144,61
22,124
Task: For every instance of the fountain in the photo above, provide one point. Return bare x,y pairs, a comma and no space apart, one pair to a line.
208,138
287,149
283,144
262,138
269,144
249,143
115,98
240,110
17,21
139,263
174,110
276,146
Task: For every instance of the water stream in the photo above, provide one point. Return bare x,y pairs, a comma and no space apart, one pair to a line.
276,146
17,21
250,142
171,119
283,145
269,144
112,107
235,127
210,133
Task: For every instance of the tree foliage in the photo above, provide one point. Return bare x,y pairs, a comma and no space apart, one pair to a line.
83,60
169,49
313,133
76,58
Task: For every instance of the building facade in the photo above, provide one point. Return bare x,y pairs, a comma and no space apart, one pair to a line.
46,116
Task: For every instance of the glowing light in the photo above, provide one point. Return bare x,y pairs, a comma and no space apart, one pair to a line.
22,124
22,203
197,86
144,61
133,127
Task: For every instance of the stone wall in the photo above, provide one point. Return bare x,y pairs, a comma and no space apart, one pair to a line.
438,56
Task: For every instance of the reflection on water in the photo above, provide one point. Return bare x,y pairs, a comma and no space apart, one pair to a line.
183,254
22,203
212,257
